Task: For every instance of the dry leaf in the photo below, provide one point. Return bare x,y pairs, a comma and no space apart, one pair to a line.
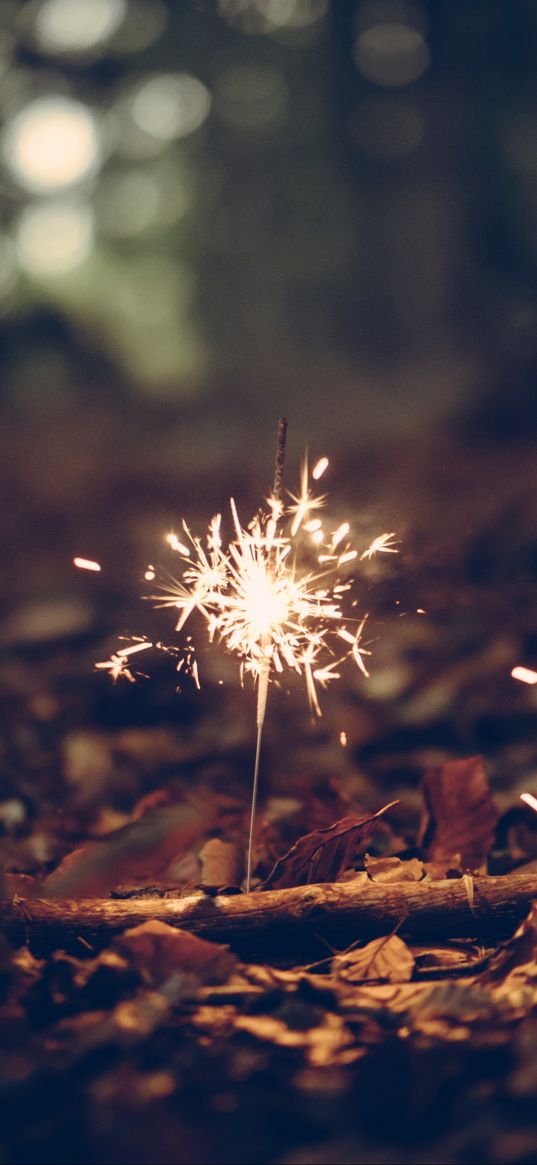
388,959
159,951
517,958
141,850
329,1042
461,1002
393,869
460,819
222,865
323,855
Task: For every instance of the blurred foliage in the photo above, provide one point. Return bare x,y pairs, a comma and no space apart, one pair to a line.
221,198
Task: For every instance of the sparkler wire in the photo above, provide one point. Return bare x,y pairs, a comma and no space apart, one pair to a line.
263,681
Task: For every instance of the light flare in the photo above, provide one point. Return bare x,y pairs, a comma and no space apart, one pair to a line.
86,564
529,799
525,675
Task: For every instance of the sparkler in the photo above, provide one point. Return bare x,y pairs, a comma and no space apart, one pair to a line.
274,595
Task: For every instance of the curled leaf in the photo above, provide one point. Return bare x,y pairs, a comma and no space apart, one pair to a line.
324,854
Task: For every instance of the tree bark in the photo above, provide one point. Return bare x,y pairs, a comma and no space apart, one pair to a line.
280,921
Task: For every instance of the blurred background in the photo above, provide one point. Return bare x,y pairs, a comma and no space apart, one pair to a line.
217,212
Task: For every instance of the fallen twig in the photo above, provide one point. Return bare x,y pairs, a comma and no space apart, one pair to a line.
279,920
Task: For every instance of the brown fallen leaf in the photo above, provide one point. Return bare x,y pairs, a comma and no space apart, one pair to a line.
515,960
387,959
139,851
460,817
324,854
458,1002
393,869
448,959
329,1042
159,951
222,865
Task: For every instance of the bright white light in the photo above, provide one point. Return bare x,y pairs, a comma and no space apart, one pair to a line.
86,564
319,468
52,238
529,799
171,105
525,674
75,26
51,144
391,54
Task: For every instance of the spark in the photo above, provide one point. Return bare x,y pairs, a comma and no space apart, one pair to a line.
319,468
525,675
529,799
118,664
304,501
343,739
175,544
381,545
339,534
86,564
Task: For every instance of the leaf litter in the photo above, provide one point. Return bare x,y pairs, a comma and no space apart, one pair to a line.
166,1027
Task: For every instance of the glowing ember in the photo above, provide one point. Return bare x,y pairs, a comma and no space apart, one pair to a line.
343,739
118,664
529,799
86,564
319,468
380,545
525,675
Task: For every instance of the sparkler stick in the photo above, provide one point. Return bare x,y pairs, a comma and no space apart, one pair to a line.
264,674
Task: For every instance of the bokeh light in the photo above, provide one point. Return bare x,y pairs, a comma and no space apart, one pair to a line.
54,237
170,105
255,17
76,26
131,201
51,144
8,266
391,54
249,98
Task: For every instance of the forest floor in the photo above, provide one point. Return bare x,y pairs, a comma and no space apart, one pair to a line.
154,1045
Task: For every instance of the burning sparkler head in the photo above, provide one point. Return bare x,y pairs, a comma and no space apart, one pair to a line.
275,594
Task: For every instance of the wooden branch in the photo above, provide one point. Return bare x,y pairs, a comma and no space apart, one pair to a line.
281,920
